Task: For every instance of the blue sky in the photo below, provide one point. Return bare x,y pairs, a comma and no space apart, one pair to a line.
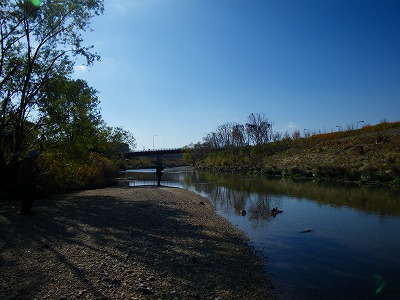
179,68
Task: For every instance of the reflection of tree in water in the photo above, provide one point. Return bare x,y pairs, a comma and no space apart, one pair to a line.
228,201
231,193
224,199
377,199
259,210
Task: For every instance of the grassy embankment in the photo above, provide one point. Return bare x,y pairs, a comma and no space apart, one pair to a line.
367,155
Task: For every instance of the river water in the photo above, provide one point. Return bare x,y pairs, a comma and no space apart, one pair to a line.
332,241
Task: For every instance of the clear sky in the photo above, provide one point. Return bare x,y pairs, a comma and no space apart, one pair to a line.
179,68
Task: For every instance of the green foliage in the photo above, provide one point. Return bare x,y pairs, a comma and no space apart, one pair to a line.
352,175
58,170
61,173
300,173
38,44
329,172
42,107
396,181
365,179
271,171
285,173
70,115
193,153
78,147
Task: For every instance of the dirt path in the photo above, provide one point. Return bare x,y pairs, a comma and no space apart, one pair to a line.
126,243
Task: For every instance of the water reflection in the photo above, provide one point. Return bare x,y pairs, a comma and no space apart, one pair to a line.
380,200
353,247
234,191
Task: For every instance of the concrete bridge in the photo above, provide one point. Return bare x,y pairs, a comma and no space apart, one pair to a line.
154,152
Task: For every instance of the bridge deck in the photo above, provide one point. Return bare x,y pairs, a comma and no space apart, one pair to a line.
154,152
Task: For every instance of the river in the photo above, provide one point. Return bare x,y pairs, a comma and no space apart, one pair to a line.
331,241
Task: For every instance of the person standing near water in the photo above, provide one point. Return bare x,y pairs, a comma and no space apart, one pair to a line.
159,170
28,176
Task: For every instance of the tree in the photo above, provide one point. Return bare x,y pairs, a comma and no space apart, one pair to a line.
37,44
193,153
238,135
224,135
296,134
211,141
113,140
258,129
70,116
80,150
71,119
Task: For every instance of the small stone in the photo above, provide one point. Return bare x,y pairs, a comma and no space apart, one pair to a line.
144,291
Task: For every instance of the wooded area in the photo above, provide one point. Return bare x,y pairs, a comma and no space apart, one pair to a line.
42,107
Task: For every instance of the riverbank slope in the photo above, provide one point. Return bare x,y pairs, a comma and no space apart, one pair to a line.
126,243
367,155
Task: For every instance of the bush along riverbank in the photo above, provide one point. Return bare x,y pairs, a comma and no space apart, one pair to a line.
370,155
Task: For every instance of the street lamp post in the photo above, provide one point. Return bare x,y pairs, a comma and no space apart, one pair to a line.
359,122
153,140
340,127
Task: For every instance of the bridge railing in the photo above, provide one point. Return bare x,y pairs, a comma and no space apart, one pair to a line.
154,152
161,149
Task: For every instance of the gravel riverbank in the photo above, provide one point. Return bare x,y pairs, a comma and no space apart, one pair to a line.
126,243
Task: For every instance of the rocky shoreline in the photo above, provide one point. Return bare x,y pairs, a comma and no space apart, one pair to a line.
126,243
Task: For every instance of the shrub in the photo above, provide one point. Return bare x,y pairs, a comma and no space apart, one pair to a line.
299,173
104,170
365,179
353,175
63,174
271,171
285,173
329,172
396,181
58,171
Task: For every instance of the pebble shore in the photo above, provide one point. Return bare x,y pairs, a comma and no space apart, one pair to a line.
126,243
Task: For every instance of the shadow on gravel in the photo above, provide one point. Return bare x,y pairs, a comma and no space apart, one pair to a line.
102,246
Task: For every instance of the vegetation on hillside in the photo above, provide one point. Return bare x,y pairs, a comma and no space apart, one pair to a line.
370,154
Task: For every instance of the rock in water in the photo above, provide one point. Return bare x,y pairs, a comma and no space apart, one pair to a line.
305,230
